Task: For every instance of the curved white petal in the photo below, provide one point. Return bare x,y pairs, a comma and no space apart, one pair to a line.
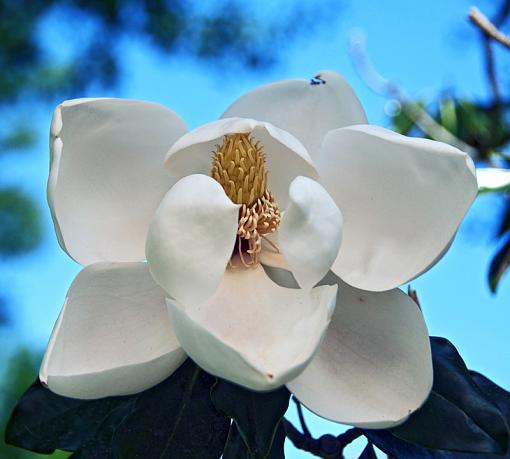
304,109
113,336
286,158
270,255
492,179
310,231
253,332
107,175
374,366
402,200
191,238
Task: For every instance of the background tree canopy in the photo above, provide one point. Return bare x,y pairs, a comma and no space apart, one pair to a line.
225,34
480,127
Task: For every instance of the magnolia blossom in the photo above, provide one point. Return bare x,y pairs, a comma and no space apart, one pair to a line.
269,249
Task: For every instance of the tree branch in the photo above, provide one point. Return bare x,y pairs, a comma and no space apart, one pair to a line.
490,33
487,27
327,447
490,68
380,85
304,427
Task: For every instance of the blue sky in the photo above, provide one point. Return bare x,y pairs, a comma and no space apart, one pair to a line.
425,47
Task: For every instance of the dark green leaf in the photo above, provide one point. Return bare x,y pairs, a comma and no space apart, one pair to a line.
368,452
457,406
179,420
504,224
400,449
236,447
176,418
257,414
43,421
277,449
458,417
499,264
20,370
102,444
498,395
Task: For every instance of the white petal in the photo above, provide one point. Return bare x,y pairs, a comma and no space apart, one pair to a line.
374,366
305,110
271,257
191,238
492,178
285,155
107,175
310,231
113,336
402,200
253,332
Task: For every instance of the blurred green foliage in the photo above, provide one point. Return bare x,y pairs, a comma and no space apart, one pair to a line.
226,30
33,71
53,49
60,48
19,137
20,230
483,126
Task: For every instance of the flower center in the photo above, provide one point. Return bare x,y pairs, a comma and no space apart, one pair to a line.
238,165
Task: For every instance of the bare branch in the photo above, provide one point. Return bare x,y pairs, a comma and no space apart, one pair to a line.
487,27
301,441
490,68
327,447
387,88
304,427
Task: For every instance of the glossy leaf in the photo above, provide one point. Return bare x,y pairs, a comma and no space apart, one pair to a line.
368,452
236,447
399,449
499,264
460,420
43,421
504,225
498,395
176,418
257,414
457,406
277,449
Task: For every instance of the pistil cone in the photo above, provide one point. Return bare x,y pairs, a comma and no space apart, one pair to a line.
238,164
